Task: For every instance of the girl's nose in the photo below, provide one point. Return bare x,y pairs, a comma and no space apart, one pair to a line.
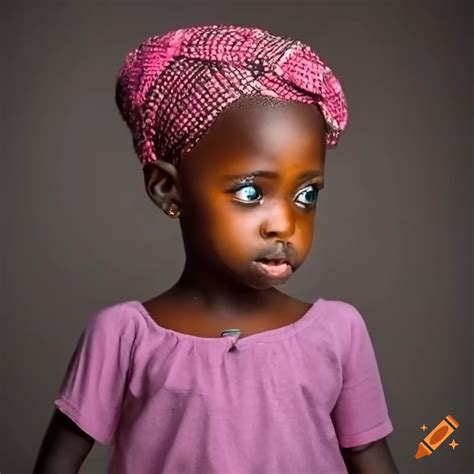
278,221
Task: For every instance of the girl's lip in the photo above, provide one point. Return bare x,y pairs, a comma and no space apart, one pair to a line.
273,271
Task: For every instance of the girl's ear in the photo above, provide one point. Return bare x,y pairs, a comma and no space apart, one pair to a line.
161,184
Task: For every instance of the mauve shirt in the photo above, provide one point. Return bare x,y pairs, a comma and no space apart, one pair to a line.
282,401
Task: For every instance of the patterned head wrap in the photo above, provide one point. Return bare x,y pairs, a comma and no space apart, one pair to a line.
172,87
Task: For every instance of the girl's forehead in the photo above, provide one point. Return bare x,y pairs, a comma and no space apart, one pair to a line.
284,139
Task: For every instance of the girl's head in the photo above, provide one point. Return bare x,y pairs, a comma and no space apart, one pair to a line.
231,125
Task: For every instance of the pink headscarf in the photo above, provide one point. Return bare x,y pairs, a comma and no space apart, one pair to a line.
172,87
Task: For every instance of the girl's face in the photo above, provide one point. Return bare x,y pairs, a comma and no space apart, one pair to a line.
250,187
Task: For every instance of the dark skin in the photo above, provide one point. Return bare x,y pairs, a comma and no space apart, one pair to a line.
219,287
288,141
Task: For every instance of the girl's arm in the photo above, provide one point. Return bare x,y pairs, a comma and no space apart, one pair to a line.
374,458
64,448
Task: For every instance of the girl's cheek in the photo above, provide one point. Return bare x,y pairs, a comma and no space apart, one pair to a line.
306,237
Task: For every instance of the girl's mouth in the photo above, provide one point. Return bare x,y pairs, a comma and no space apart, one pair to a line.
273,269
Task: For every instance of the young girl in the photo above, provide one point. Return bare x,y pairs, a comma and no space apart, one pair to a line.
224,373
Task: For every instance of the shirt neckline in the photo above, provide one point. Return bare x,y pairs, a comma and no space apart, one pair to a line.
309,317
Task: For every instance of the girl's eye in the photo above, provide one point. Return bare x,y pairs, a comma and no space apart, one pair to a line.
310,193
249,193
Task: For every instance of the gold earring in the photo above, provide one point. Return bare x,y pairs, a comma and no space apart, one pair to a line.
173,211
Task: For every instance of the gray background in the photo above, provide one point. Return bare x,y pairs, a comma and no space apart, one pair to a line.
394,228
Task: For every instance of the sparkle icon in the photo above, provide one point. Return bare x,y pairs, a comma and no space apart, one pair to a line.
453,444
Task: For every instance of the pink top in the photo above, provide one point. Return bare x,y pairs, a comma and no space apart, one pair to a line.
283,400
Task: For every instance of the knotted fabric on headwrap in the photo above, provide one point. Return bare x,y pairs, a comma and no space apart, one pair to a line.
172,87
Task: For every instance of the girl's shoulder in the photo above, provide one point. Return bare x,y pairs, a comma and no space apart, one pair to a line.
343,317
338,323
342,312
117,320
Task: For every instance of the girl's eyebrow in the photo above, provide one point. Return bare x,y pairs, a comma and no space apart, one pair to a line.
272,174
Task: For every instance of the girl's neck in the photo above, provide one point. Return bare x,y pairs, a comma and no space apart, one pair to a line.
214,293
205,294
